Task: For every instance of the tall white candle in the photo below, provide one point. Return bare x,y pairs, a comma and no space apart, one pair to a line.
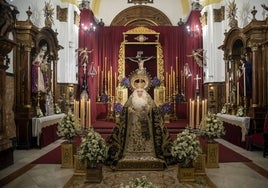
244,79
190,112
197,112
89,113
237,98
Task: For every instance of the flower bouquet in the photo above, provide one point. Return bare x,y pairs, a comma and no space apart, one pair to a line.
93,149
142,182
186,148
104,98
125,82
166,108
212,127
66,127
240,111
118,107
155,82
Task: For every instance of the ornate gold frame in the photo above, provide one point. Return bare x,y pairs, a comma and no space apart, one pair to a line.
141,31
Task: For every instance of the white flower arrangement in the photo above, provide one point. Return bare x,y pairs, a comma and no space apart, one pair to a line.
212,127
240,111
186,148
66,127
93,149
142,182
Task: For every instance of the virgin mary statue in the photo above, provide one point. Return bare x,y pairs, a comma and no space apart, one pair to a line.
140,141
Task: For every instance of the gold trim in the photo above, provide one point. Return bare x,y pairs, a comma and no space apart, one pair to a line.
219,14
62,14
141,30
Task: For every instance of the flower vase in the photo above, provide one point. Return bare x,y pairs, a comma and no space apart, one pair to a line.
93,173
212,154
185,174
200,164
68,150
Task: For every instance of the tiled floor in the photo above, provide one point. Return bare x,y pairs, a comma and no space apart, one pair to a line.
229,175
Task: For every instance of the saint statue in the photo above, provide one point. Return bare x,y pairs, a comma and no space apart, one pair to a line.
39,68
140,140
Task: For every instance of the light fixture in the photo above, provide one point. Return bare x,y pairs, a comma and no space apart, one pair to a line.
193,30
140,1
89,28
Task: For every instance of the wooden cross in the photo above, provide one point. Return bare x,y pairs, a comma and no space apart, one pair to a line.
197,83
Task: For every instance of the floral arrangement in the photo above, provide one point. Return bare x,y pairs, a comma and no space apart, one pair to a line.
104,98
180,98
186,148
93,149
66,127
166,108
142,182
240,111
212,127
125,82
155,82
224,109
57,109
118,107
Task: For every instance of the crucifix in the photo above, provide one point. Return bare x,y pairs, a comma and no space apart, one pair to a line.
197,78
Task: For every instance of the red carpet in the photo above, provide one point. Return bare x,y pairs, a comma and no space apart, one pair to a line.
225,155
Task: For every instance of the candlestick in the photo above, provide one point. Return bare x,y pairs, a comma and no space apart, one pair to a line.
177,75
227,87
166,85
102,77
111,72
192,124
203,109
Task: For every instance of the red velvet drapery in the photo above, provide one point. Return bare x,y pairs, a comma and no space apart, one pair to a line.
105,42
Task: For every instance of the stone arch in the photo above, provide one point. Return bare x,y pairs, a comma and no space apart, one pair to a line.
141,15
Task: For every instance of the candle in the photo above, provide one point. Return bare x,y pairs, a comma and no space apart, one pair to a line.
89,113
227,87
115,80
192,123
174,84
203,109
111,72
102,81
166,85
237,93
197,112
82,113
98,72
190,112
176,75
244,77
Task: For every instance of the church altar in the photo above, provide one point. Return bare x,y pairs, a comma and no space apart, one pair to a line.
45,129
236,128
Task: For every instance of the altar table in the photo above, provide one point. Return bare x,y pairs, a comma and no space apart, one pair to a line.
44,129
236,128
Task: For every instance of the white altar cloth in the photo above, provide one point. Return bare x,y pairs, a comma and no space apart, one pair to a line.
39,123
243,122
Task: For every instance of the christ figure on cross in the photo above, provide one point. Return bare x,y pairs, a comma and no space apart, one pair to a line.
138,59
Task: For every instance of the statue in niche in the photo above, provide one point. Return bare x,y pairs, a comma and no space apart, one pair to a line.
140,61
39,71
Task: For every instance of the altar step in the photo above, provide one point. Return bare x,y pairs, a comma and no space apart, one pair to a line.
105,128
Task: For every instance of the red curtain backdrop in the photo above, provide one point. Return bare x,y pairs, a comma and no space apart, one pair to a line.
106,40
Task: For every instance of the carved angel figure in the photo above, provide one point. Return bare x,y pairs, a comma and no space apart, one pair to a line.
199,58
